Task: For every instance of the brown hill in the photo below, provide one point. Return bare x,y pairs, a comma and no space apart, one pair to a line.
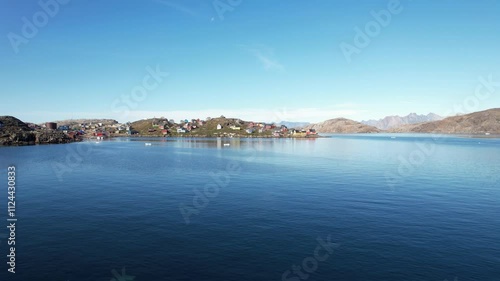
12,124
342,125
481,122
147,126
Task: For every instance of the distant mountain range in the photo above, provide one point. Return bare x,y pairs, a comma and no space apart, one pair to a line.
397,121
482,122
342,125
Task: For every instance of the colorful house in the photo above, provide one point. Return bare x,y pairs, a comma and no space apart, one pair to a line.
268,126
311,132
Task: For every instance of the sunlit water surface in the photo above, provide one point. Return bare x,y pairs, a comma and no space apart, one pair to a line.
399,207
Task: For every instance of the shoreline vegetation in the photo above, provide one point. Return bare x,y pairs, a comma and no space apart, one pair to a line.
14,132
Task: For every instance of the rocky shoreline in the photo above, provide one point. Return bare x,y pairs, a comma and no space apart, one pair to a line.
14,132
34,138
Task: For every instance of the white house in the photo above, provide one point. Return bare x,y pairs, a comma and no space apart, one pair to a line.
219,126
181,130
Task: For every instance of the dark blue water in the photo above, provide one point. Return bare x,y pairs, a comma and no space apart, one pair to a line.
404,208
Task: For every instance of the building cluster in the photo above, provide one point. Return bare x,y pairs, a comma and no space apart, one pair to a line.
186,126
163,126
277,130
96,129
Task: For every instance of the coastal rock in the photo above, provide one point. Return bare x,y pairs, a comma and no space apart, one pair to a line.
46,137
15,132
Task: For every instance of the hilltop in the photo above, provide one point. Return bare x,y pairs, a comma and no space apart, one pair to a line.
342,125
193,127
482,122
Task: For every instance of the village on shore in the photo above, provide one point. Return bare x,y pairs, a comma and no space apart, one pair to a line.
163,127
16,132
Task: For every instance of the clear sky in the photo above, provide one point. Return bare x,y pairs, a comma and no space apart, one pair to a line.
264,60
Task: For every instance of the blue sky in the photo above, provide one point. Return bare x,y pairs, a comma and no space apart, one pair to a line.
264,60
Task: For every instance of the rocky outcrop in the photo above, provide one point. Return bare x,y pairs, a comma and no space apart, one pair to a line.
46,137
17,138
15,132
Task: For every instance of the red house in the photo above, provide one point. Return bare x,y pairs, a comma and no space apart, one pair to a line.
311,132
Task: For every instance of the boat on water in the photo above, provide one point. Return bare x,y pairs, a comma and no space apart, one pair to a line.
227,144
147,144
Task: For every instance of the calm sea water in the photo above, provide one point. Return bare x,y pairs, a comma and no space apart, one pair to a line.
404,208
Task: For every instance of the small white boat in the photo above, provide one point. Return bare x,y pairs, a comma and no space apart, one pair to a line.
226,144
487,134
147,144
